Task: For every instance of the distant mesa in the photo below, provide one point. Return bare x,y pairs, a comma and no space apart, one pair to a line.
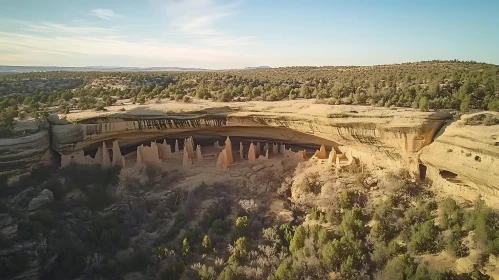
24,69
259,67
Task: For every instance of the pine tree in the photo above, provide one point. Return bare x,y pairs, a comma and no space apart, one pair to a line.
207,247
186,249
298,240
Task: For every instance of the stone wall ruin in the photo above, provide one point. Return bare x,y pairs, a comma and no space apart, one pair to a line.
156,153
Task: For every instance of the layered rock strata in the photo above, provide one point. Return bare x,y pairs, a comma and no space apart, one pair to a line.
18,154
380,136
464,160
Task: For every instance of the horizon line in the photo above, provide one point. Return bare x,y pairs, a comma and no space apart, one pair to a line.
258,66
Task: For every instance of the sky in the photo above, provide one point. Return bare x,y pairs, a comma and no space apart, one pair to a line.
221,34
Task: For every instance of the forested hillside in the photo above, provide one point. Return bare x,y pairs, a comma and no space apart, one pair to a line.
428,85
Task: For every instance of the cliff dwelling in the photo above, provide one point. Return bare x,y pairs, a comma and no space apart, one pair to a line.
206,180
212,151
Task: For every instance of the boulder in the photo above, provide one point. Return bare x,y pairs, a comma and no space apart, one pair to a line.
46,196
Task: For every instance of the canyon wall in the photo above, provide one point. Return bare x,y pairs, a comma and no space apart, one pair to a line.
464,160
380,136
18,154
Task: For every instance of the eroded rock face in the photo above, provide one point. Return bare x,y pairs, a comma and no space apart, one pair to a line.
45,197
19,154
464,160
380,136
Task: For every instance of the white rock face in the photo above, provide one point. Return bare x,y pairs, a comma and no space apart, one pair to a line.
46,196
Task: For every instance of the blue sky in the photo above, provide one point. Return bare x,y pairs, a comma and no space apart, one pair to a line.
239,33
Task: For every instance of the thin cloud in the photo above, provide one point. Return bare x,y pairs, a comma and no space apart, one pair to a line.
66,47
106,14
199,19
57,28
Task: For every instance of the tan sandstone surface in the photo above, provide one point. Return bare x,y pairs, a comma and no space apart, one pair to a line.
380,136
25,151
464,160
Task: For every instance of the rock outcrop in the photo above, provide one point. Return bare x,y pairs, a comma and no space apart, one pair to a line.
19,154
45,197
464,160
380,136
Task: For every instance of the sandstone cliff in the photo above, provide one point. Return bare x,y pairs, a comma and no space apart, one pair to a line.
380,136
464,160
23,152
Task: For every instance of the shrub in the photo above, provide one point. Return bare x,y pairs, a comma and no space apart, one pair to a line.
418,213
454,246
352,224
45,217
311,183
324,236
298,240
385,209
286,234
186,99
394,248
482,119
241,229
347,254
220,227
207,273
379,232
186,249
194,235
100,107
239,252
231,272
451,214
72,253
331,253
349,198
172,271
486,225
333,217
315,213
82,176
399,268
206,245
380,254
138,261
41,174
179,221
28,230
215,212
271,234
490,120
14,264
107,234
98,197
424,237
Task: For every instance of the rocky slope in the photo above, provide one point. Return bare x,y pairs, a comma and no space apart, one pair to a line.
464,160
380,136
